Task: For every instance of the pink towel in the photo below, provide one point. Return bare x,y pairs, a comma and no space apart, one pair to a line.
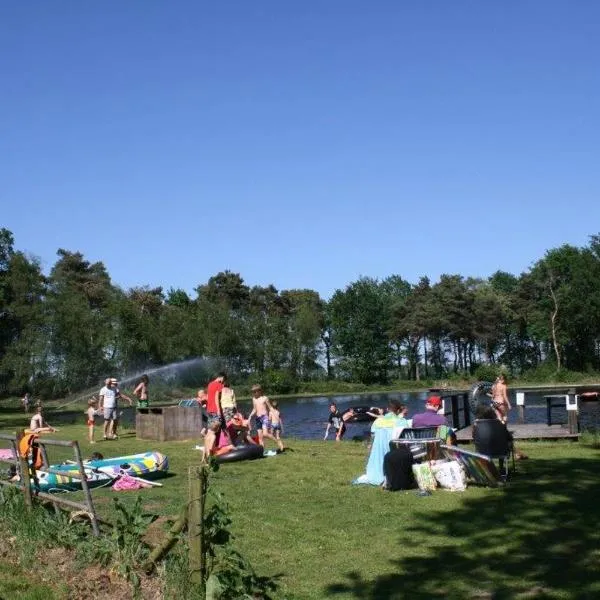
125,482
6,453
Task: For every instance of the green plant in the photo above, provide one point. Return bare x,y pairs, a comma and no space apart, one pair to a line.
487,372
130,550
226,574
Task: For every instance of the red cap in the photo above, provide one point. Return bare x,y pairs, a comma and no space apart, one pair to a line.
435,401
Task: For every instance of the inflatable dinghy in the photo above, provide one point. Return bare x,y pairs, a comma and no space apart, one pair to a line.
479,394
243,452
149,465
360,414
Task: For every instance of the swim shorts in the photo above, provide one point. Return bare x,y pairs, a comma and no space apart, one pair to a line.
276,427
262,422
212,418
143,403
228,413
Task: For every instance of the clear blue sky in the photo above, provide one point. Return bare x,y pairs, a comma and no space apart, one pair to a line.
299,143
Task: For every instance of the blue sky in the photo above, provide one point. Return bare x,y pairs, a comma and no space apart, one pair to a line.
302,144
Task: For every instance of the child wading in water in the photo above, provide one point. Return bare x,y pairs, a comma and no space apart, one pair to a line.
91,418
276,423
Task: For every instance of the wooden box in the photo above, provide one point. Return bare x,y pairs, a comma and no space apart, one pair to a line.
167,423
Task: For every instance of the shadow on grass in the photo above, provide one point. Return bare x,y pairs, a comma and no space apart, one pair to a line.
537,538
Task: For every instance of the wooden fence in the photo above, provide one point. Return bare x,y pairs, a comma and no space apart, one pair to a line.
27,476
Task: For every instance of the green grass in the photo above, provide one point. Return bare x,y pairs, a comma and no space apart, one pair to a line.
17,583
296,517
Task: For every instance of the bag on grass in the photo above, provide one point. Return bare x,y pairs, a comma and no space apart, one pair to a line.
450,476
424,476
397,468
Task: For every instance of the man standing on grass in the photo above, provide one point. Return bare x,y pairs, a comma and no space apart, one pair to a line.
261,408
109,396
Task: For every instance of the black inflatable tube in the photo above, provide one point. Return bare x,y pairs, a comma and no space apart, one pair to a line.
360,414
245,452
479,394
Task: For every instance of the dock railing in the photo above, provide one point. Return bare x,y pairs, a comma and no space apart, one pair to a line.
570,401
460,409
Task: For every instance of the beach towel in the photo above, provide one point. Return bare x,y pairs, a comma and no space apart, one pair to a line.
381,446
125,483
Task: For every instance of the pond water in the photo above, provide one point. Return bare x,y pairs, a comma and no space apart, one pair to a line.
306,417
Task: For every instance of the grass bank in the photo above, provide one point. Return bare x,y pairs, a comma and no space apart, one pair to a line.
18,583
298,519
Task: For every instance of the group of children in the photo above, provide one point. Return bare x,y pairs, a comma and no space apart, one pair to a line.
226,425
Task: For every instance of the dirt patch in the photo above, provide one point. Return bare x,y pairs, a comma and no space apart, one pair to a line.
157,531
58,566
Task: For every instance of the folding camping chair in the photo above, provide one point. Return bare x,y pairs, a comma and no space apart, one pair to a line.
420,433
423,442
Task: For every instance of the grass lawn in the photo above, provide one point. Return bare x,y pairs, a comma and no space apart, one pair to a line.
15,583
296,517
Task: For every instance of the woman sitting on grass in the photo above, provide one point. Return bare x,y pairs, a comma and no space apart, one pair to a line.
38,423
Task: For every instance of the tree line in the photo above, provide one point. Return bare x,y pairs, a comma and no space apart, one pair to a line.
64,331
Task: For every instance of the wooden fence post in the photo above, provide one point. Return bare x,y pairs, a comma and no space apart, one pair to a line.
197,500
573,411
24,472
86,489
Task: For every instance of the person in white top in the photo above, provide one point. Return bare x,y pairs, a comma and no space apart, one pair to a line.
109,396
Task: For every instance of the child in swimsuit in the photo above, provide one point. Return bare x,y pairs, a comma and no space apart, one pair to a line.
91,418
38,423
276,421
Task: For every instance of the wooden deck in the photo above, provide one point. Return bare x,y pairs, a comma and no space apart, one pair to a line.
528,431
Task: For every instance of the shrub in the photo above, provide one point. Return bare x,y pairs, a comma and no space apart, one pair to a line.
279,381
487,372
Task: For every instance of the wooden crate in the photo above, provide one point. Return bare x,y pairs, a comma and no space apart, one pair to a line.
167,423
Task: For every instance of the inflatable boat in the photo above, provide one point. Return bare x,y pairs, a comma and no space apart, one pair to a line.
360,414
480,393
149,465
242,452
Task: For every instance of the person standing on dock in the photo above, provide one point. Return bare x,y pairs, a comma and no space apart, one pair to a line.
500,401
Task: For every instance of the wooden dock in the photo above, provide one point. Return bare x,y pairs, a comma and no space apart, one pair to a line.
527,431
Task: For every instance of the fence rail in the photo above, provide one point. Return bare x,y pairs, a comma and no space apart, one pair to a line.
28,475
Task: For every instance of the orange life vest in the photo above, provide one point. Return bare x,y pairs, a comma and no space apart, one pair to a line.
27,448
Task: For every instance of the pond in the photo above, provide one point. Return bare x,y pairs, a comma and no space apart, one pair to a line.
306,417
